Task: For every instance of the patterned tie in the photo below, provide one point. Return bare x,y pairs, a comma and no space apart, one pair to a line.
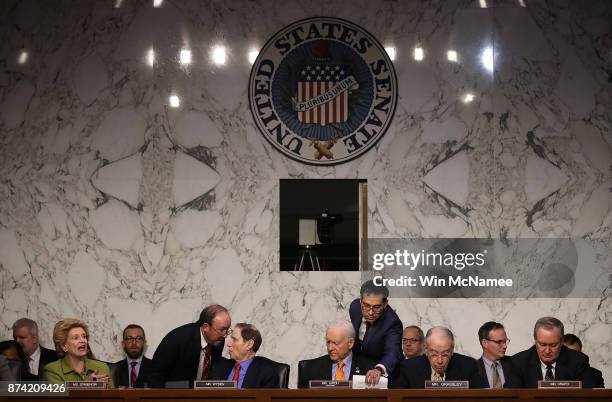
206,363
496,380
133,375
236,373
437,376
340,371
549,373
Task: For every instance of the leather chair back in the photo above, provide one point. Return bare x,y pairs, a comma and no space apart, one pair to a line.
283,374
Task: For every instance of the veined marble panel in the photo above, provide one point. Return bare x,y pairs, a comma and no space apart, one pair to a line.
118,207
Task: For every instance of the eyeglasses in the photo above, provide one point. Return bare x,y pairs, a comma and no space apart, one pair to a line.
499,342
223,331
137,339
377,308
444,355
435,355
410,341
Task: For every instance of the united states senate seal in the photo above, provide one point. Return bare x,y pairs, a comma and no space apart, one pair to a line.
323,91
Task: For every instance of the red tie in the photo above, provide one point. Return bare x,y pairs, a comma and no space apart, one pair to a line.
133,375
236,373
206,363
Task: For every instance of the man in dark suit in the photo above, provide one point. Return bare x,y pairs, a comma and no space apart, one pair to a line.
135,369
25,333
189,352
573,342
549,359
248,370
378,329
438,364
340,363
495,368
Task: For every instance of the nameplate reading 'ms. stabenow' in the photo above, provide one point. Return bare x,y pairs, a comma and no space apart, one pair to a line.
323,91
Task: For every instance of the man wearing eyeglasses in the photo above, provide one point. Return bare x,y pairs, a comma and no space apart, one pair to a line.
134,370
378,329
439,363
549,359
495,368
412,341
189,352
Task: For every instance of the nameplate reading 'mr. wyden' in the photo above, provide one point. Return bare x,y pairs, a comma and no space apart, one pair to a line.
206,384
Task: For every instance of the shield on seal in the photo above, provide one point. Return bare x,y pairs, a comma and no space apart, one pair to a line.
317,90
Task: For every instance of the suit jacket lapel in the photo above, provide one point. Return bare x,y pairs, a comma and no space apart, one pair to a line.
535,367
327,368
195,349
252,371
561,366
482,371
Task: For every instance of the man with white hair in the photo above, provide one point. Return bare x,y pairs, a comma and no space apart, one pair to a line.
340,362
439,363
25,333
548,359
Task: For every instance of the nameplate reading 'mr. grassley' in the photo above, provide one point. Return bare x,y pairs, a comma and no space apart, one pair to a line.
323,91
447,384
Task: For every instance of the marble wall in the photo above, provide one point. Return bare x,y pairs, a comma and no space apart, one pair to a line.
117,207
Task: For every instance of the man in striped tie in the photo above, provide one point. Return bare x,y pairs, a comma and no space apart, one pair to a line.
134,370
340,362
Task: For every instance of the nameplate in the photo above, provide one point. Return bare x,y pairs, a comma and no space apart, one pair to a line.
447,384
85,384
206,384
329,384
560,384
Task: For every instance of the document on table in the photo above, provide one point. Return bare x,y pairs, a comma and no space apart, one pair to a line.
359,383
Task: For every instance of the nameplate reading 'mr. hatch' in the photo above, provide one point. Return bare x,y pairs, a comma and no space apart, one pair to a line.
329,384
85,384
447,384
560,384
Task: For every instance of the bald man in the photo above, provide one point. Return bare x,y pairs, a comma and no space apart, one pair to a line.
440,363
340,362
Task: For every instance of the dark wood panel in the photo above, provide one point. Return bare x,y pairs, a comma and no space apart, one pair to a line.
326,395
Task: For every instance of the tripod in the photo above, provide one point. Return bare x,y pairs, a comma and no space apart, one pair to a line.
307,251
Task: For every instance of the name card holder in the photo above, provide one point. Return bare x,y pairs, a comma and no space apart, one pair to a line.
329,384
447,384
207,384
559,384
85,384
